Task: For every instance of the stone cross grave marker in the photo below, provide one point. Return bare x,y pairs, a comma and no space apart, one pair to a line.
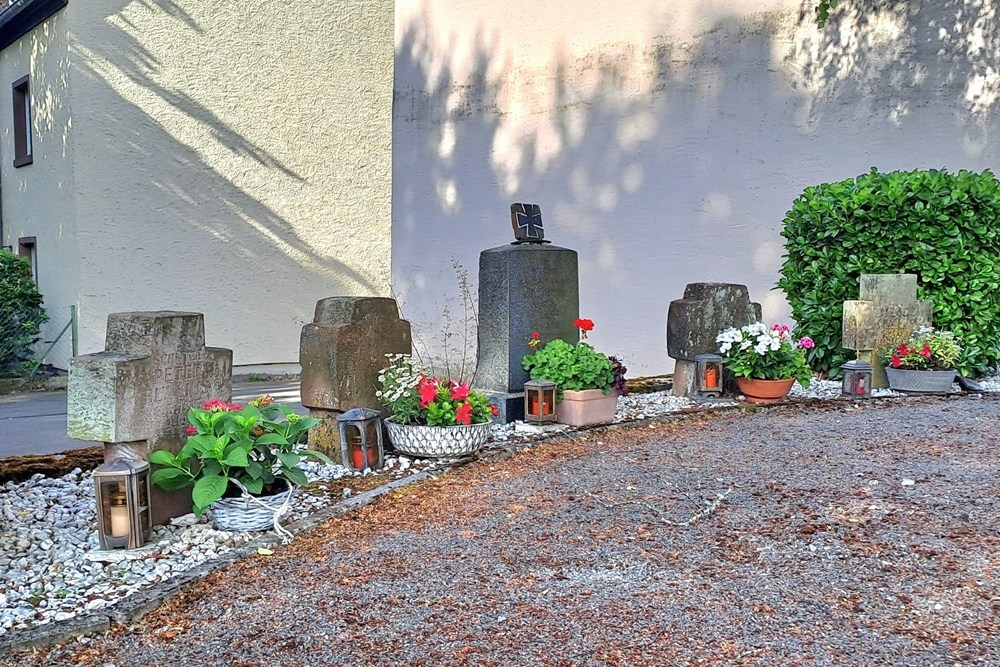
885,314
135,395
694,322
341,353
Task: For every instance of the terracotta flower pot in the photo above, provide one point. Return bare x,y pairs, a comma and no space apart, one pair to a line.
587,407
764,391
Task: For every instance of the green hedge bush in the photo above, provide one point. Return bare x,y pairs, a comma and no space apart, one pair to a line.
943,227
21,314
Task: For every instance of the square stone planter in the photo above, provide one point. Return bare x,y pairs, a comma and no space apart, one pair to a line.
587,407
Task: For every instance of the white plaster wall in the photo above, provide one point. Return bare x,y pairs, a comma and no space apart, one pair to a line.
38,199
666,142
233,157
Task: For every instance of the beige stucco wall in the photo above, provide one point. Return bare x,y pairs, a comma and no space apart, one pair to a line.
232,157
665,142
38,199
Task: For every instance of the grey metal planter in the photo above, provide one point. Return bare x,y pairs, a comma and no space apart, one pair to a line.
920,382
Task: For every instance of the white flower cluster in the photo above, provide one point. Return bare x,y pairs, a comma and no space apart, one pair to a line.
756,335
398,380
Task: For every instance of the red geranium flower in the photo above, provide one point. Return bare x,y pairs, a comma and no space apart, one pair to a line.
584,325
428,390
460,392
464,414
536,335
191,430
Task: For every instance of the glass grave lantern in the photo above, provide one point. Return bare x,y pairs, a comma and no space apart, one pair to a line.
121,489
857,382
539,401
708,376
361,439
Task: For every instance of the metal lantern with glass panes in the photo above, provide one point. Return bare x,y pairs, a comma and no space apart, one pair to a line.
857,382
708,376
361,439
539,401
121,489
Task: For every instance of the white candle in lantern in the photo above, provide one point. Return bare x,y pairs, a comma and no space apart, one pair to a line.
119,521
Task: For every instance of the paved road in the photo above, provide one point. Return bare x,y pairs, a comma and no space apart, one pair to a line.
36,423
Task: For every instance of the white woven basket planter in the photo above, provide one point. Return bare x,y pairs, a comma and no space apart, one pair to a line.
246,514
437,441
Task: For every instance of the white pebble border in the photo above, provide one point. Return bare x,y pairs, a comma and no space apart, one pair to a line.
51,568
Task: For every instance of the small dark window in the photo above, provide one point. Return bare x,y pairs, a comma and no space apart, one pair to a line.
26,249
22,122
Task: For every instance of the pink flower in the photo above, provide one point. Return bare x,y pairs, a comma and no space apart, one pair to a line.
807,343
190,430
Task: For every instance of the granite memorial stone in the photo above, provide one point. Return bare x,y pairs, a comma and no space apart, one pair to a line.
694,322
886,313
523,287
135,395
341,353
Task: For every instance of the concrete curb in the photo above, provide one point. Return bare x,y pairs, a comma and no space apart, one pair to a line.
32,385
141,602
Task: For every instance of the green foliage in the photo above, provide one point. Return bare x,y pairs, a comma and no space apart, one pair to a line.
823,11
927,349
575,367
254,446
943,227
21,314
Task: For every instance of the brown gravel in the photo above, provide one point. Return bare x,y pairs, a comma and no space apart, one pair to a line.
574,553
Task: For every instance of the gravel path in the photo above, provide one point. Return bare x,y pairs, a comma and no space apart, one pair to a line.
806,535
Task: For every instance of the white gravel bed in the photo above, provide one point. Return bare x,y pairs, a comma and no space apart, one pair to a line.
51,568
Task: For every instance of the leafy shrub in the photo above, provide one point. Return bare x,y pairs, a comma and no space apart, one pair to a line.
21,313
943,227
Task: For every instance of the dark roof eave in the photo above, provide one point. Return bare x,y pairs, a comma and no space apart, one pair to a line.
22,16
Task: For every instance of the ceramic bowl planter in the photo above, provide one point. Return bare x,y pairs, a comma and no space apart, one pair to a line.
764,392
437,441
920,382
587,407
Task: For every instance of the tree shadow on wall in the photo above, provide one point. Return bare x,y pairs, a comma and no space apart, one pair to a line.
660,163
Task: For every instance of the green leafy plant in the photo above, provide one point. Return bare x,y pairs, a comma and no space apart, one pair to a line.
943,227
233,449
754,351
573,366
414,397
926,349
21,314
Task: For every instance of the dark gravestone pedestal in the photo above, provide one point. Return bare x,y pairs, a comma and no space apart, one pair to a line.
694,322
135,395
341,353
522,289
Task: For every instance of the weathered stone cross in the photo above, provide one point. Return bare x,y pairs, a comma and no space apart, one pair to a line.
884,316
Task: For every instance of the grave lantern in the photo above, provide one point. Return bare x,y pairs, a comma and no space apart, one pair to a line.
857,382
539,401
708,376
121,489
361,439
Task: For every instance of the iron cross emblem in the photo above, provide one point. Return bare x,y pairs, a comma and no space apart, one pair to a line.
526,219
